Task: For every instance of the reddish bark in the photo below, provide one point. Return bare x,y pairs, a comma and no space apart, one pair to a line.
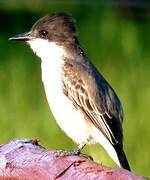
26,160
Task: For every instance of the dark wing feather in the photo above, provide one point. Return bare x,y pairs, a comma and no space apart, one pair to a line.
90,93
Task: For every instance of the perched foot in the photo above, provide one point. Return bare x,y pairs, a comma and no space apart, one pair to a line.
77,151
61,153
74,152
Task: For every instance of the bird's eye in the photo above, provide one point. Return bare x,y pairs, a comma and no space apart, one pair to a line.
43,33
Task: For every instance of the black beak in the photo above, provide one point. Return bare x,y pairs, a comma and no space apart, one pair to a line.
22,37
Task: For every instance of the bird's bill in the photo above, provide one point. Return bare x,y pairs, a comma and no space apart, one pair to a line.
22,37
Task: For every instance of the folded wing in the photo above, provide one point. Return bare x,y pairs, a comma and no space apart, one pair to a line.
92,95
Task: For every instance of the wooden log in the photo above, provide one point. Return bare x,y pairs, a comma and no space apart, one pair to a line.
27,160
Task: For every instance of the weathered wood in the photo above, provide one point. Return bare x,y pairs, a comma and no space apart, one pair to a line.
27,160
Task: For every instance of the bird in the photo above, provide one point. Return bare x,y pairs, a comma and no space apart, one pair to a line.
83,103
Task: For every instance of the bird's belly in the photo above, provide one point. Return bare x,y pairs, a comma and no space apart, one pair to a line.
71,120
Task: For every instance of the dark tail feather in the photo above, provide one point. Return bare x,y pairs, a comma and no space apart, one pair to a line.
122,157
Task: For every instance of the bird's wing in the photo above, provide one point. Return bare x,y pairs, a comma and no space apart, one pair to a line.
90,93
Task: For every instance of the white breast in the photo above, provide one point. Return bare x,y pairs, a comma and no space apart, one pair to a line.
68,118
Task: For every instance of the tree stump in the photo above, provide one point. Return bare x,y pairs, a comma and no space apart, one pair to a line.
27,160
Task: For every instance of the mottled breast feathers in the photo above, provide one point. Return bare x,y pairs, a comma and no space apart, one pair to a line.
92,95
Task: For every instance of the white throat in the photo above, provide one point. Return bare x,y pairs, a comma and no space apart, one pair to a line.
47,51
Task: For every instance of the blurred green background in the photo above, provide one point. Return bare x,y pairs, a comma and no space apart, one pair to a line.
116,37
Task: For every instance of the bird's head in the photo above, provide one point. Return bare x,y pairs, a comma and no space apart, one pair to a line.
56,29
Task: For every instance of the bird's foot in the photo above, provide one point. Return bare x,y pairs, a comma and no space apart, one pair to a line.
62,153
74,152
77,151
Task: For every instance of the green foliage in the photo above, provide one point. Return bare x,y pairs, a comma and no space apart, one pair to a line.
117,44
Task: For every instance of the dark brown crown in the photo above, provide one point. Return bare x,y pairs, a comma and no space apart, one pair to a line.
57,27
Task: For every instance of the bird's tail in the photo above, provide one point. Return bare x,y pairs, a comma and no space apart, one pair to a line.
122,157
115,151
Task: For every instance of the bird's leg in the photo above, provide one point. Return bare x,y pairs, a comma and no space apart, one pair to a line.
76,151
